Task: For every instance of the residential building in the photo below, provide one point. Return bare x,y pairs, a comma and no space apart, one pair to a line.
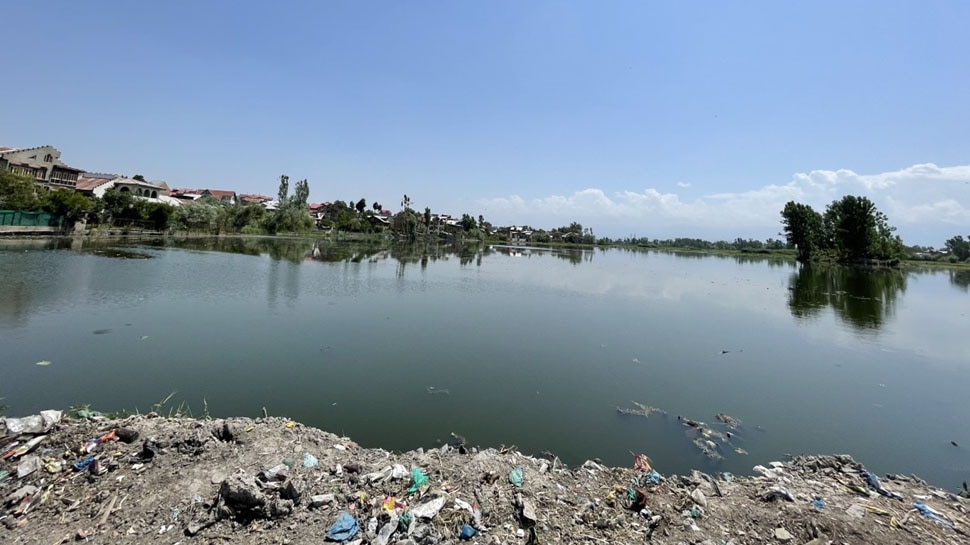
225,197
96,185
245,199
42,163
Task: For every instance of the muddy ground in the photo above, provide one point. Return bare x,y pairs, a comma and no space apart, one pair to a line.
271,480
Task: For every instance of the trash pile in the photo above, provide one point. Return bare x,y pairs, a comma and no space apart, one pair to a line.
151,479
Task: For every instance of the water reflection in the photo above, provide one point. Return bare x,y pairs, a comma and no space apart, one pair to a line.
960,278
862,298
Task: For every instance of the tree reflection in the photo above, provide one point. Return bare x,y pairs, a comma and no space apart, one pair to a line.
862,298
960,278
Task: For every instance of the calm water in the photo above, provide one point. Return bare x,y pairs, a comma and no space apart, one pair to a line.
534,348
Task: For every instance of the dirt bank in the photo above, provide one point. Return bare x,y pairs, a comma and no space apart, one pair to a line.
271,480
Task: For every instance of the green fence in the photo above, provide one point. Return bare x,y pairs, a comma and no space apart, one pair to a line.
29,219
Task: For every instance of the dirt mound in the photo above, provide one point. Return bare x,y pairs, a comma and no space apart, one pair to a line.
147,479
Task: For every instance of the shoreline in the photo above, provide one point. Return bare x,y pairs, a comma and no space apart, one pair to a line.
272,479
779,255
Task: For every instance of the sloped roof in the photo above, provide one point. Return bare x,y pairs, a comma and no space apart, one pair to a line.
220,193
89,183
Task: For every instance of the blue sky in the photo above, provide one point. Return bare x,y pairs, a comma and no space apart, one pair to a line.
634,118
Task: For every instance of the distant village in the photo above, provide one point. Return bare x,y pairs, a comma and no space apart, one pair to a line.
44,165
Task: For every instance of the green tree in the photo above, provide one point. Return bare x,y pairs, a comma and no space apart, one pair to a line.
118,205
139,177
197,215
293,213
804,228
71,205
959,248
361,206
468,222
301,193
17,192
858,230
283,191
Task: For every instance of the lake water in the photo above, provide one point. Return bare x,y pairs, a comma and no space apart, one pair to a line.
399,347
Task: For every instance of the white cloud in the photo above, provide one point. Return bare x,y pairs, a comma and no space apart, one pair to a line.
684,184
933,201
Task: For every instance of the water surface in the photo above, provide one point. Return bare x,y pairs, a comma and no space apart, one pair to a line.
400,347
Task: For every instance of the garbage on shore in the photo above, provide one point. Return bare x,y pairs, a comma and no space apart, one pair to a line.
244,480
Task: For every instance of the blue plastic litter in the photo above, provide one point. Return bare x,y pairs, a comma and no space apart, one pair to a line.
83,464
818,504
467,532
310,460
651,478
931,514
728,477
345,528
873,482
516,477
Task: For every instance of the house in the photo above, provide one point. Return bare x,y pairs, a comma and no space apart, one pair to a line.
138,188
96,185
318,211
42,163
225,197
184,194
515,234
245,199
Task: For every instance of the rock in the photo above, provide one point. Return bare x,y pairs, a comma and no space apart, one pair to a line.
241,499
783,535
321,500
698,497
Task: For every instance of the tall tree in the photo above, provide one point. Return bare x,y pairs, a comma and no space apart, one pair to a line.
376,206
959,248
858,230
804,228
301,193
283,190
361,206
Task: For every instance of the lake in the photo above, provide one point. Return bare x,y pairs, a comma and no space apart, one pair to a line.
399,347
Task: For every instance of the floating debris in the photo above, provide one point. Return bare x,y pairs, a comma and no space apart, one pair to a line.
728,420
741,451
438,391
708,433
101,331
636,360
709,448
43,363
690,423
641,410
